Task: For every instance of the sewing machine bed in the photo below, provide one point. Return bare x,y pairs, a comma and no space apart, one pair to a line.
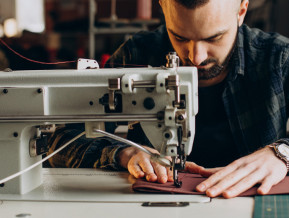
96,186
94,193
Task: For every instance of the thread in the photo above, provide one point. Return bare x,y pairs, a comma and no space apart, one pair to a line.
28,59
62,62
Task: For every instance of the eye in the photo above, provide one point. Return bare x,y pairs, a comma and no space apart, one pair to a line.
215,39
180,39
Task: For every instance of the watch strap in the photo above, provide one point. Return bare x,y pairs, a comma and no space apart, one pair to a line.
283,140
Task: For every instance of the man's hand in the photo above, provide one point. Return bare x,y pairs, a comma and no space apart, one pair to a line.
140,165
261,166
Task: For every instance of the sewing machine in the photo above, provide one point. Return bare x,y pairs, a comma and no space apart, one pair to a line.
164,100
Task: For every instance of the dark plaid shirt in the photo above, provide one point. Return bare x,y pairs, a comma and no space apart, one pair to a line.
255,97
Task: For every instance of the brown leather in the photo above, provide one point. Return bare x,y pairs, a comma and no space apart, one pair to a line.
190,181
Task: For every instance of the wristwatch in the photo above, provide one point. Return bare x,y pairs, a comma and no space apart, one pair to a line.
282,151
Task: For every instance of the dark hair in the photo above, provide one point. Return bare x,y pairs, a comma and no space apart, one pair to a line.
192,4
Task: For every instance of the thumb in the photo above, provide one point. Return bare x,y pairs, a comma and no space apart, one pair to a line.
191,167
208,172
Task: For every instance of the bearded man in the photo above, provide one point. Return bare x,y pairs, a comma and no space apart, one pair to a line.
243,97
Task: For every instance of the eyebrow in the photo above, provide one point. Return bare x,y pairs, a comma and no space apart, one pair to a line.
208,38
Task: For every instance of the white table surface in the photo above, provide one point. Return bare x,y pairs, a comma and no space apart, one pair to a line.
94,193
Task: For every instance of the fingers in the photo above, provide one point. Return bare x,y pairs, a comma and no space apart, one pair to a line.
140,165
266,186
268,182
160,172
170,174
193,168
261,166
250,181
135,170
148,169
208,172
243,185
216,177
224,179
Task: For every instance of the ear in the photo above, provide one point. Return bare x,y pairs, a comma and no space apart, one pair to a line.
242,11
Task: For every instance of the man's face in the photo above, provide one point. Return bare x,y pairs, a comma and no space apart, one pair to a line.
205,36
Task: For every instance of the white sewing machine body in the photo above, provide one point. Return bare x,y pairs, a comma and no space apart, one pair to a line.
33,99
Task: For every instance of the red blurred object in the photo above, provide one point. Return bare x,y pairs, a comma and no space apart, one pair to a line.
104,59
144,9
80,53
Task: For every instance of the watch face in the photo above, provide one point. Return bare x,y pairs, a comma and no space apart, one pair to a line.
284,150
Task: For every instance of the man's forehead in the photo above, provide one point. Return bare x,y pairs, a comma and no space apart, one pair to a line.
200,23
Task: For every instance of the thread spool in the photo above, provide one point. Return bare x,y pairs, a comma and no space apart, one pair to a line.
144,9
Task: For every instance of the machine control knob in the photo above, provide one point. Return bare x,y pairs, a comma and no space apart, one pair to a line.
149,103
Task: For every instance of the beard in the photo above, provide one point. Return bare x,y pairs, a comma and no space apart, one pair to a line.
216,69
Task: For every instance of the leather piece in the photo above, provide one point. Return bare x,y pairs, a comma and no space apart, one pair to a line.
190,181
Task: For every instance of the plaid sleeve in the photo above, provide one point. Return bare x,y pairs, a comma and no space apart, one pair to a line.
285,76
84,152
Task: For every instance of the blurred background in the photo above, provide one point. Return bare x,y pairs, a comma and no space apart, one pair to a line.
64,30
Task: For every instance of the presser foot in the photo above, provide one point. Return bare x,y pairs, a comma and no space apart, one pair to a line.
177,183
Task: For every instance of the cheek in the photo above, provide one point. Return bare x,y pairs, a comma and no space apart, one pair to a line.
219,50
227,45
216,52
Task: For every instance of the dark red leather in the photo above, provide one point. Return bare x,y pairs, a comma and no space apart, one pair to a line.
190,181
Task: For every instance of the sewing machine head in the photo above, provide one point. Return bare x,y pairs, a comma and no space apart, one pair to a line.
164,101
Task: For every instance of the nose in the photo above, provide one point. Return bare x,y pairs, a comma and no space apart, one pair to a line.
197,53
